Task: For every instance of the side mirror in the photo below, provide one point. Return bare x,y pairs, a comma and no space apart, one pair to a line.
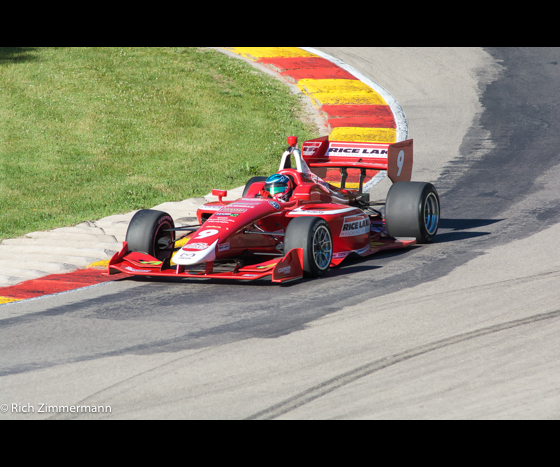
220,194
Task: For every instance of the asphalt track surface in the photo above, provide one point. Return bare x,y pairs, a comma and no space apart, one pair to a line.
465,328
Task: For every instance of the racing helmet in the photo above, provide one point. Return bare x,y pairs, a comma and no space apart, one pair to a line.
279,186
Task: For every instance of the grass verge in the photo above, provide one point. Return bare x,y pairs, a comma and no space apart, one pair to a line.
90,132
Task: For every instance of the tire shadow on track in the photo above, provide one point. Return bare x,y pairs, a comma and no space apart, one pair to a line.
355,263
458,229
465,224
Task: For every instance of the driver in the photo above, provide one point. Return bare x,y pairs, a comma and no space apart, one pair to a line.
278,186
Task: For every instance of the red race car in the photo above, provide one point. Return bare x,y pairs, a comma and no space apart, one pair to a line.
293,223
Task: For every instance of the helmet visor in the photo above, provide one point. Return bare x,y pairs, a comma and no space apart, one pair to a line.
277,188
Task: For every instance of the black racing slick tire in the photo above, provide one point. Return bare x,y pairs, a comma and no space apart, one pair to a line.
147,233
250,182
313,235
412,210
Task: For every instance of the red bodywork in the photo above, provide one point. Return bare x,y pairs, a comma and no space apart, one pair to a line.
253,226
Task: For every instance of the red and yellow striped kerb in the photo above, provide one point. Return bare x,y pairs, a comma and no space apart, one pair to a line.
354,111
54,283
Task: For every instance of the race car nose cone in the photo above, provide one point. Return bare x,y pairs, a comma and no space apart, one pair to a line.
186,256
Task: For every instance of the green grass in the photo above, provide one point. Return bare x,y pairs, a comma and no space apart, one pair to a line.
90,132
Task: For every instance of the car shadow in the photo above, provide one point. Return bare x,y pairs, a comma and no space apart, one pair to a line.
355,263
465,224
351,266
202,280
453,230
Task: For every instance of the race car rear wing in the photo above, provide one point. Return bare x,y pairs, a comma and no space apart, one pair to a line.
396,158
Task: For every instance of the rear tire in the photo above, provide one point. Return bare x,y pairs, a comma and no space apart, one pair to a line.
146,233
412,210
313,235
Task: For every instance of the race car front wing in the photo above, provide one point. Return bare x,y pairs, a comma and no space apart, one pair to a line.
282,269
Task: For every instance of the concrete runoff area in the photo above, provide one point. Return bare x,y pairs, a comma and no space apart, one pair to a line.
67,249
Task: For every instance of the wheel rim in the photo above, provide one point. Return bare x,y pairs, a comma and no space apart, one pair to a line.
322,247
431,214
163,241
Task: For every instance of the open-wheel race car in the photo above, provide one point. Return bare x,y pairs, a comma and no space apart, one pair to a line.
293,223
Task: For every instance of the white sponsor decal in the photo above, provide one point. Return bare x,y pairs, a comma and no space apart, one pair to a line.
274,204
233,209
250,275
247,206
207,207
185,255
196,256
222,220
285,270
355,225
223,246
137,270
250,201
196,246
358,150
315,212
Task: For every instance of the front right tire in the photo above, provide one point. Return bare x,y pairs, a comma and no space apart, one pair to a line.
313,235
147,233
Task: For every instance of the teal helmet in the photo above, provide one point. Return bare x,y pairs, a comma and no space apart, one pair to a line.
279,186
